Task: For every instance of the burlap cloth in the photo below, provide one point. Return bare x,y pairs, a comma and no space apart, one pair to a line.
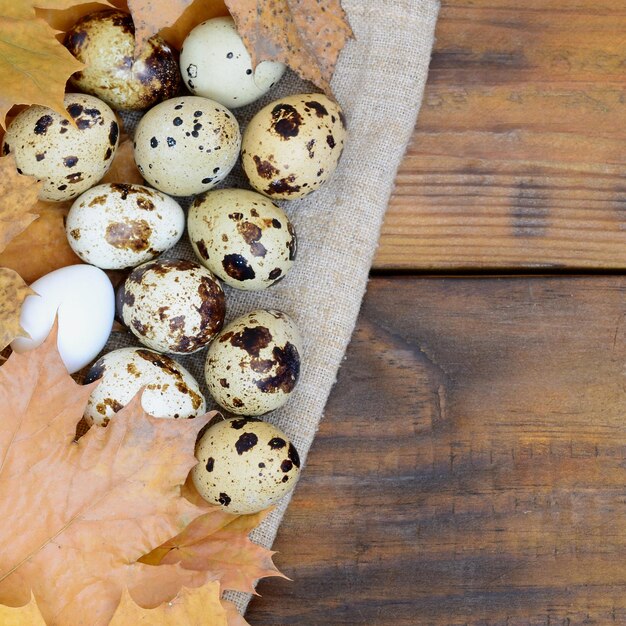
379,82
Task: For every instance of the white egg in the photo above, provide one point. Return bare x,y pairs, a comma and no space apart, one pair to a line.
83,297
214,63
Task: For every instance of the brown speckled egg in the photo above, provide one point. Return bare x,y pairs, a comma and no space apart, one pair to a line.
172,305
170,390
68,159
242,237
244,465
114,226
105,42
254,363
187,145
293,145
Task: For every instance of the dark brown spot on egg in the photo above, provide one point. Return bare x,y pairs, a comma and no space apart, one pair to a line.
252,339
286,466
237,267
293,455
39,157
237,402
284,185
292,244
140,327
235,216
210,464
246,442
74,40
330,140
264,168
204,253
276,443
286,121
108,153
98,200
6,149
287,361
162,312
285,479
212,308
75,109
276,223
192,70
240,422
275,273
224,499
75,233
224,383
177,324
133,235
309,147
114,132
261,366
251,234
145,204
96,372
75,178
131,368
318,107
154,142
113,404
171,142
69,161
42,124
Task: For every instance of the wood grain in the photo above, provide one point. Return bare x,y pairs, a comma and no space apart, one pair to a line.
471,465
518,158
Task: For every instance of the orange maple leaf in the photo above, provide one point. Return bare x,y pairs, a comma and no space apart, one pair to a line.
307,35
76,517
13,292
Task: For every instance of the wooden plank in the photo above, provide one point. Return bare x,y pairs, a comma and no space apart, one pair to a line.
471,465
518,157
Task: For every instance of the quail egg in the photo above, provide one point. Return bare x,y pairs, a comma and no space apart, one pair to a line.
105,42
242,237
69,159
185,146
293,145
254,363
113,226
214,63
244,465
172,305
170,390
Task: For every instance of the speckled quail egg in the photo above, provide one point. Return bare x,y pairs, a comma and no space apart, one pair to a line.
254,363
244,465
170,390
214,63
242,237
113,226
68,159
185,146
105,42
293,145
172,305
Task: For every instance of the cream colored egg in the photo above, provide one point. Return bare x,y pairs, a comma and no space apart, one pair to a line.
214,63
254,363
68,159
187,145
172,305
114,226
105,42
170,390
242,237
245,465
292,146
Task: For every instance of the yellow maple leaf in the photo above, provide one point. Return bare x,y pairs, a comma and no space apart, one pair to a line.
27,615
34,66
191,607
13,292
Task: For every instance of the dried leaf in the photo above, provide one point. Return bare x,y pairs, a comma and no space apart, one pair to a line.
191,607
33,64
124,169
307,35
218,543
13,292
196,13
43,246
18,194
85,511
27,615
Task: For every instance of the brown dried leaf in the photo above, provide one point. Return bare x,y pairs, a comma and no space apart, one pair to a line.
85,511
307,35
191,607
33,64
43,246
18,194
13,292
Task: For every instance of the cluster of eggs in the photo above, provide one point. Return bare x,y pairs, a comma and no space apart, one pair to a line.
184,145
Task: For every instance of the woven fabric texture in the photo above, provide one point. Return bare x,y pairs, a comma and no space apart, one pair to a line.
379,82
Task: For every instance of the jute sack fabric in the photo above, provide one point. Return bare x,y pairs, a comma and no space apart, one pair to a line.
379,82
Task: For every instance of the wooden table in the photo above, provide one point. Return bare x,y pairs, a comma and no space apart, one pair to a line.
471,468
